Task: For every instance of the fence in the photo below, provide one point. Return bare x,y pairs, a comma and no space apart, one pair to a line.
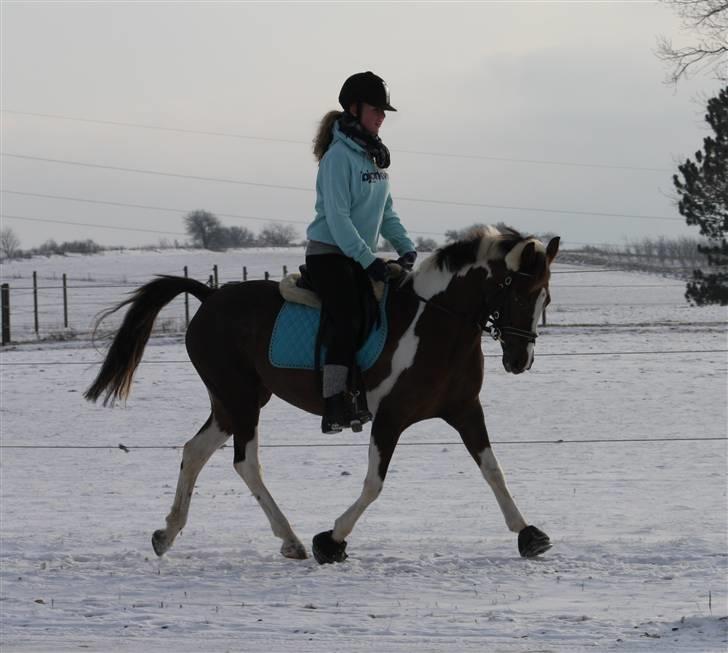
64,306
42,310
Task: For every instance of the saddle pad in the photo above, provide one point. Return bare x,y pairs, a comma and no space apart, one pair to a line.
293,340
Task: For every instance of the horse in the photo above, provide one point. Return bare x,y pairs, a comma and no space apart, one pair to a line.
494,280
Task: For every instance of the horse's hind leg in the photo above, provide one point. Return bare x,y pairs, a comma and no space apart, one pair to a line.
194,456
470,423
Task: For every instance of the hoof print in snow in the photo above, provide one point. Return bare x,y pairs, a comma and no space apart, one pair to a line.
533,542
327,550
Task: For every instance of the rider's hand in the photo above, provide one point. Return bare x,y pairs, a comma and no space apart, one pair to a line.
407,260
378,270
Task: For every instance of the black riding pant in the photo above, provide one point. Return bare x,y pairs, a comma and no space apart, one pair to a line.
344,288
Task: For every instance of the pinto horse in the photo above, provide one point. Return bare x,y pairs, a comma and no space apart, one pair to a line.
494,280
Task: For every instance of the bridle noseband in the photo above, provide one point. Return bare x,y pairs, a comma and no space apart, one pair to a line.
490,320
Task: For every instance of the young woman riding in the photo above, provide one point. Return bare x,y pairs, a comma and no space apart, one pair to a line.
353,208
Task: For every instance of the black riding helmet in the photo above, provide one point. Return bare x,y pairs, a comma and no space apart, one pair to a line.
365,87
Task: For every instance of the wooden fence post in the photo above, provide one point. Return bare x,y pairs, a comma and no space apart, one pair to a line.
285,270
266,275
5,303
214,272
245,273
35,300
187,304
65,301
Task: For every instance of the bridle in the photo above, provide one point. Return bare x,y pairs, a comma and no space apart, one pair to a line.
489,320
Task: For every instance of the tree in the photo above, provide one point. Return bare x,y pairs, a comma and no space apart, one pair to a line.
239,237
9,243
425,244
703,190
277,234
708,19
203,227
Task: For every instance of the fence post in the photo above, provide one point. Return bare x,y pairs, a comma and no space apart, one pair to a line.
266,276
214,272
35,300
285,270
543,318
187,305
211,281
245,273
5,302
65,301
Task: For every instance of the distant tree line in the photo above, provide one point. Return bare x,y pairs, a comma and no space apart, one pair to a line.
207,232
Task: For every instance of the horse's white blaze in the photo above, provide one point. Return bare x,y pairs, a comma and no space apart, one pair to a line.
537,312
195,454
403,357
494,476
250,471
372,487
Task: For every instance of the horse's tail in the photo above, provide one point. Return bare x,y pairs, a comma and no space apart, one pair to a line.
126,350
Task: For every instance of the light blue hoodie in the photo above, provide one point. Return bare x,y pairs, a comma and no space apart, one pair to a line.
354,203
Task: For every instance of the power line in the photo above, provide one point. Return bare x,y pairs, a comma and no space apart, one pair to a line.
127,448
87,224
178,130
217,213
550,354
311,190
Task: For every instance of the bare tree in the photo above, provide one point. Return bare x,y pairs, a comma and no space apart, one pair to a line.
204,228
9,243
277,234
708,20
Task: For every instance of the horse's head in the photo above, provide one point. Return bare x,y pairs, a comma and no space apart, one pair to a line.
502,277
518,294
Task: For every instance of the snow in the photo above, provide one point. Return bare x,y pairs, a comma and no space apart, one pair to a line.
639,563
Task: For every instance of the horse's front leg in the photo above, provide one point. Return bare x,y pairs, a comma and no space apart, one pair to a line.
470,423
330,546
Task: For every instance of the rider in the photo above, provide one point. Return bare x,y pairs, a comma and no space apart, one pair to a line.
353,207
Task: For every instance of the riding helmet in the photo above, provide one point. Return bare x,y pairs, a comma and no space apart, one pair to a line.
365,87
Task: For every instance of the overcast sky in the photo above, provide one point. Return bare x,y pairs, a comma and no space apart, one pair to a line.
494,99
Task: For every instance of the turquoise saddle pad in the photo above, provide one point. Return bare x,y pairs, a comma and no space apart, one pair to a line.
293,340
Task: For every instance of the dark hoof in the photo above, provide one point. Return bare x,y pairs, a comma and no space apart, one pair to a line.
533,542
160,543
327,550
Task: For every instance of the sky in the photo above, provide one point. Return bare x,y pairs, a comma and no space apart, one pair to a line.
548,116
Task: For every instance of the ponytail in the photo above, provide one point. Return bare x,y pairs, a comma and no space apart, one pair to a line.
324,134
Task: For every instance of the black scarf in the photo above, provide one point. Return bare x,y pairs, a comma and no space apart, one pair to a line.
373,145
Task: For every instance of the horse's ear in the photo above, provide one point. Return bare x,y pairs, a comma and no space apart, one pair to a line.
552,249
528,256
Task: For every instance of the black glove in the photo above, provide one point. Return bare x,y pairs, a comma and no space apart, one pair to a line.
378,270
407,260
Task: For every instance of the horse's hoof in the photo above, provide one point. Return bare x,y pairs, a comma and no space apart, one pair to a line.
533,542
294,550
327,550
159,542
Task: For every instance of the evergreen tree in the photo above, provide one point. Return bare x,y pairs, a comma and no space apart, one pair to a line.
703,190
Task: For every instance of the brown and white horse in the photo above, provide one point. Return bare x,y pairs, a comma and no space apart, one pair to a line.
431,366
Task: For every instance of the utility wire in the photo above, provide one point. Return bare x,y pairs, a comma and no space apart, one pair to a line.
555,354
299,142
308,189
127,448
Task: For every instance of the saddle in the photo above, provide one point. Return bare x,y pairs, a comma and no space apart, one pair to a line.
298,289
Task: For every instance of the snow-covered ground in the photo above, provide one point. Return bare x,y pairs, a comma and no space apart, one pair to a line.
640,557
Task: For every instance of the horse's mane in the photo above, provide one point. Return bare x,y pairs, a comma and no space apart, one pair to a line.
481,242
478,247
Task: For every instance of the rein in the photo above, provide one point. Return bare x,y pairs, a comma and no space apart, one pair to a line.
489,321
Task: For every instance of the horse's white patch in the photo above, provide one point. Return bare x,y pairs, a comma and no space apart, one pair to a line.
494,476
195,454
372,488
249,470
537,312
403,357
513,258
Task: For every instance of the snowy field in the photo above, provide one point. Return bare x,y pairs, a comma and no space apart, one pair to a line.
640,557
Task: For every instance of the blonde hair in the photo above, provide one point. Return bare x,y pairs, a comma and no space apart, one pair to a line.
324,134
